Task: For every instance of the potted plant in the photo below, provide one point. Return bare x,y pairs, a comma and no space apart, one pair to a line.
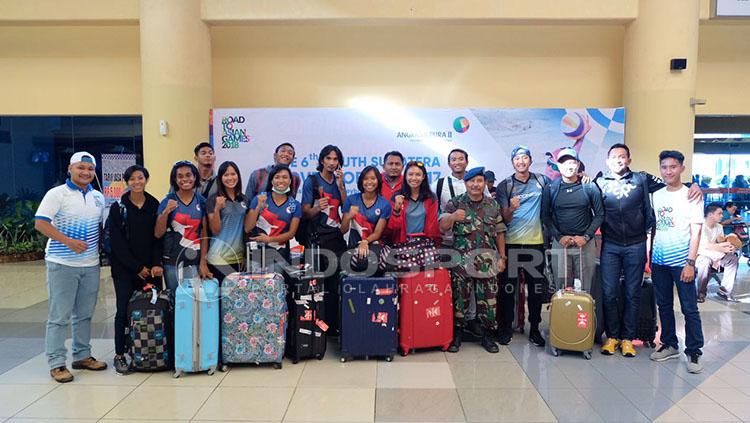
19,241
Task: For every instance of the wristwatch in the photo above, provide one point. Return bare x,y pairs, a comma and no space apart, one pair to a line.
691,262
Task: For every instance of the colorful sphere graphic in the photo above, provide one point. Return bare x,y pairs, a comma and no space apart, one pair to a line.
461,124
572,125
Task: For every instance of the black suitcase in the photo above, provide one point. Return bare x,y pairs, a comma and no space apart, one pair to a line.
646,325
150,330
306,332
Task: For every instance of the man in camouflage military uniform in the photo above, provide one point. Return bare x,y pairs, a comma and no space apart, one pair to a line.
479,236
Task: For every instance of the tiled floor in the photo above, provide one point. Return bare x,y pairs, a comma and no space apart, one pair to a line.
520,384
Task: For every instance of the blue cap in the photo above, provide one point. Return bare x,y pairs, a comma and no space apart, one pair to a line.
472,173
566,152
520,149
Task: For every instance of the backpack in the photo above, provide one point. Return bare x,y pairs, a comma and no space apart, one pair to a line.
107,233
306,227
440,184
510,183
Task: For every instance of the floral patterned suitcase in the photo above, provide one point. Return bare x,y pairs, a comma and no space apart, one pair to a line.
253,318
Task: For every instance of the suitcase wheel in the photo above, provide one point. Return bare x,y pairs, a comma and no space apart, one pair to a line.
277,366
587,354
295,360
555,351
319,357
211,371
224,368
389,358
343,359
177,374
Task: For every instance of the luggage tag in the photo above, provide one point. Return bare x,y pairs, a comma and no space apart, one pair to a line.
322,325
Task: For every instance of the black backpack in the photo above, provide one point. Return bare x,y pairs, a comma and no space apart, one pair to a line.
306,229
107,233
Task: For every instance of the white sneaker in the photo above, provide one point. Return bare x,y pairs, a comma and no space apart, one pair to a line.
664,353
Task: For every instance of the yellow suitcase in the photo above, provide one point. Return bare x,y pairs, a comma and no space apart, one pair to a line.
572,320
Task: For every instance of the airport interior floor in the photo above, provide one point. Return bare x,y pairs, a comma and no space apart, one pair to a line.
523,383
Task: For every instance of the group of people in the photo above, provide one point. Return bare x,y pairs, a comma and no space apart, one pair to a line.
500,238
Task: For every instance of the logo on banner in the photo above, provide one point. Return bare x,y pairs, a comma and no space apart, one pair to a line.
461,124
232,136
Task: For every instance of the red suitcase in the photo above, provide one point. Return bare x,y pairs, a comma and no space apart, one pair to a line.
426,310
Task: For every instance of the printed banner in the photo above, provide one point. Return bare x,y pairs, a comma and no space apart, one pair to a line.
249,136
113,166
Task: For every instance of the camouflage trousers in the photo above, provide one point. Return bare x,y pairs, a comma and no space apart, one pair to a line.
485,292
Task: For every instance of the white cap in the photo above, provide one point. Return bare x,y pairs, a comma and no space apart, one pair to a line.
83,156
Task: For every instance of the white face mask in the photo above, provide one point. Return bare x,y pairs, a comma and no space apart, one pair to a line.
280,192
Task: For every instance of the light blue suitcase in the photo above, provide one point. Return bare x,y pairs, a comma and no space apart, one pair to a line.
196,326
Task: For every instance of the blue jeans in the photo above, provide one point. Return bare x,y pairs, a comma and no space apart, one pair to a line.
665,278
630,261
171,274
72,298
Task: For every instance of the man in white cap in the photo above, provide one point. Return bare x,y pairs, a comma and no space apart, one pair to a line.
70,215
572,211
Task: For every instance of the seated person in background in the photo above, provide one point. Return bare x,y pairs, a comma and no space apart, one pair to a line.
715,252
729,216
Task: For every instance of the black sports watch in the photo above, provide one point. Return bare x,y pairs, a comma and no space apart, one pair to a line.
691,262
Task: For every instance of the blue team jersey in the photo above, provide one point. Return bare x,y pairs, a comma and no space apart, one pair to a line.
274,219
329,219
364,223
182,239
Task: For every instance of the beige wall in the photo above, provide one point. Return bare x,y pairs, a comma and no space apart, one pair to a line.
96,69
724,68
420,65
69,70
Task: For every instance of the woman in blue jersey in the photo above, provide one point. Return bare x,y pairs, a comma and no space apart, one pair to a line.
274,214
365,217
180,223
226,217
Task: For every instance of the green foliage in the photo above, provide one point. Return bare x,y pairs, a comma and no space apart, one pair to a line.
17,233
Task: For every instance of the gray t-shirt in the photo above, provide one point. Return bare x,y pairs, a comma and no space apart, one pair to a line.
415,215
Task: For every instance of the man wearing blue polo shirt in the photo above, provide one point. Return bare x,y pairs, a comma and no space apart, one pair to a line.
70,215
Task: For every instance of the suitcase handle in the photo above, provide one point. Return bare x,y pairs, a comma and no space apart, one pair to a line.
565,266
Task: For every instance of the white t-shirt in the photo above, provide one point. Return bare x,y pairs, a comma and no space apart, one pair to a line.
674,215
709,236
78,214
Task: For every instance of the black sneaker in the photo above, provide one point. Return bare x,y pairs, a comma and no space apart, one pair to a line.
504,337
121,365
535,337
694,365
489,345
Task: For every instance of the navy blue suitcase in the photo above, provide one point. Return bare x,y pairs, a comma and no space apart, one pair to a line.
369,318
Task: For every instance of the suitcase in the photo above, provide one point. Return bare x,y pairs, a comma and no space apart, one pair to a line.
196,329
253,315
519,307
572,319
306,332
425,310
369,318
149,330
646,326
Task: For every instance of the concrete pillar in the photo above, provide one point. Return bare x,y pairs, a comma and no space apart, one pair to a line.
176,84
657,100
